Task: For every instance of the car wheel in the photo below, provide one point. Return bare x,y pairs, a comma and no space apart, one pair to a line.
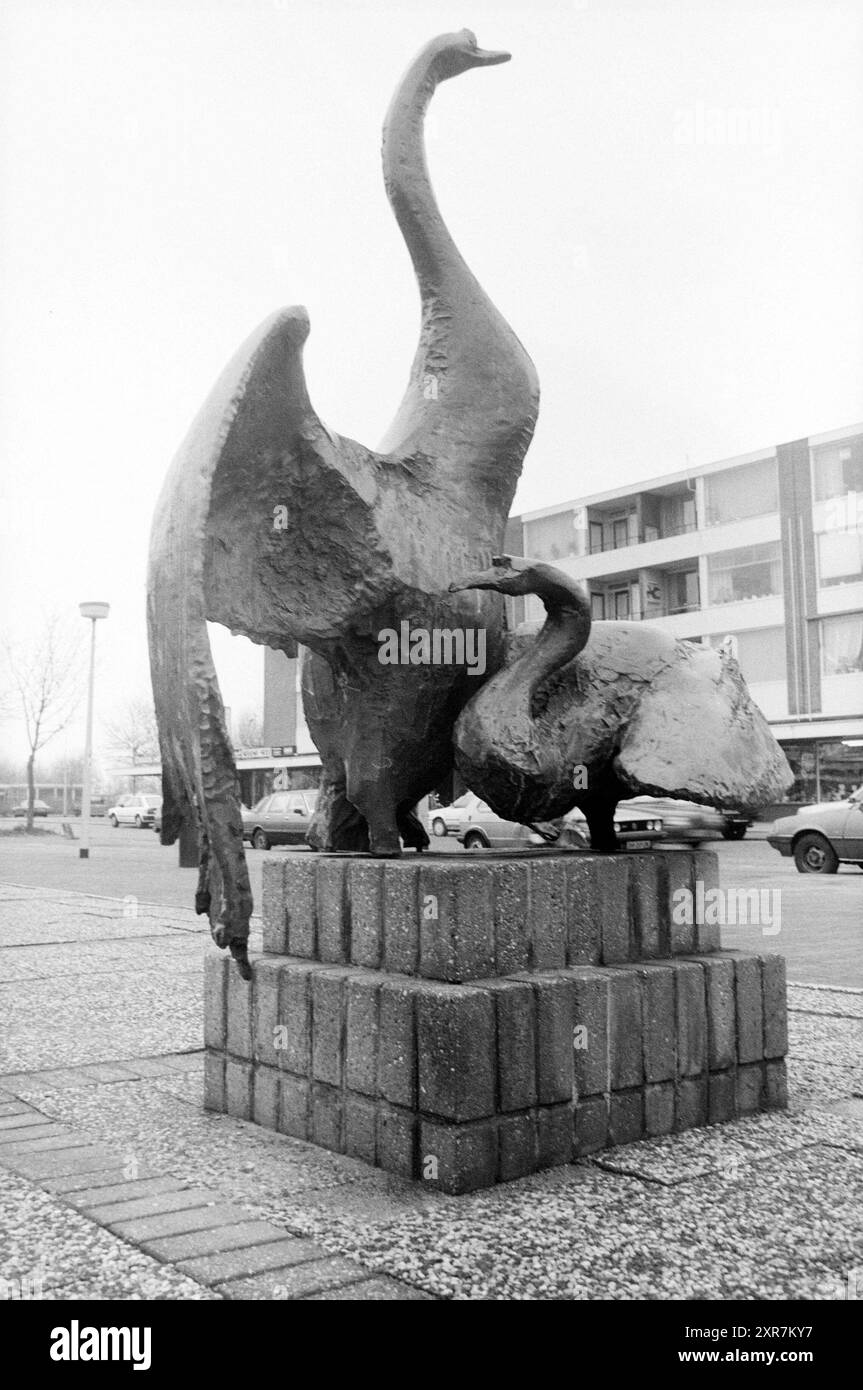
733,832
475,841
260,841
114,821
438,827
815,855
138,822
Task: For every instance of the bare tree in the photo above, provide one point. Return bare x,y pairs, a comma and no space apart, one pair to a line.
133,730
48,680
249,730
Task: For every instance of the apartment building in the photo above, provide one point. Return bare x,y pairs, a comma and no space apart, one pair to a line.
766,549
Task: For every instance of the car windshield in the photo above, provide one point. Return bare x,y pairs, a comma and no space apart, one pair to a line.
463,801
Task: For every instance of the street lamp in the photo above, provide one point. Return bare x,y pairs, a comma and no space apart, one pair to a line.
93,611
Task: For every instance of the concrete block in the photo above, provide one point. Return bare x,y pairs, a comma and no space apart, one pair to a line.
516,1045
273,906
215,990
775,1006
691,1019
548,931
366,889
238,1088
300,897
401,918
361,1044
214,1081
722,1097
750,1008
721,1012
456,1051
658,1019
466,1154
590,1030
691,1110
591,1125
397,1141
265,1097
332,909
397,1044
294,1109
555,1052
625,1117
456,921
625,1029
516,1146
659,1109
510,904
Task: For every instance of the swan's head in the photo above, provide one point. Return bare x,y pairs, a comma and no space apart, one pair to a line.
512,574
456,53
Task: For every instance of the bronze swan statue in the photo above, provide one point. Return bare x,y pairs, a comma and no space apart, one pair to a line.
585,714
278,528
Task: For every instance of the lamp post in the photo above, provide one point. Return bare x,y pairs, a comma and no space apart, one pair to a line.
93,611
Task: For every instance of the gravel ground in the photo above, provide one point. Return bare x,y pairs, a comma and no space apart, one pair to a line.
62,1255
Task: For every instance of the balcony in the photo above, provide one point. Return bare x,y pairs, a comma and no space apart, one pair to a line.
643,537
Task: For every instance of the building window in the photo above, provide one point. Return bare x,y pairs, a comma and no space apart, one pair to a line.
551,537
760,653
621,533
736,493
682,586
837,468
621,603
842,644
840,557
754,571
595,537
597,606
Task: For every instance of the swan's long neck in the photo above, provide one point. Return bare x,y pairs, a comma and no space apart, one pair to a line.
438,264
473,395
562,636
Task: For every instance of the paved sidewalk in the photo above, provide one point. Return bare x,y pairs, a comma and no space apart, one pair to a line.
115,1183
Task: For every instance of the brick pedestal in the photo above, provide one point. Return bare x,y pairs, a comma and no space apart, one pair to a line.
467,1020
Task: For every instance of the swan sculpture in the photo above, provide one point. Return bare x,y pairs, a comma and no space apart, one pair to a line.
585,714
288,533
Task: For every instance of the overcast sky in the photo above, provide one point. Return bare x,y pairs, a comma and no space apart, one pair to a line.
690,285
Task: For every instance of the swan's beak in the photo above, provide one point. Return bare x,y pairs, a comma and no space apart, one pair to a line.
483,579
488,57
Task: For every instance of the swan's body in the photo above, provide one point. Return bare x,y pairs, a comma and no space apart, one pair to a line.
586,714
372,538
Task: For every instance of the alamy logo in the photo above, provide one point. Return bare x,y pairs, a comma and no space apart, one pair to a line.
728,907
76,1343
438,646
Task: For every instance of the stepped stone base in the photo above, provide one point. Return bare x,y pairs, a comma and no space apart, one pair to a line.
469,1021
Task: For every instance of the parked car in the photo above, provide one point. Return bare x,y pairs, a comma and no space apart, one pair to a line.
448,820
40,808
282,818
480,828
138,809
683,822
823,836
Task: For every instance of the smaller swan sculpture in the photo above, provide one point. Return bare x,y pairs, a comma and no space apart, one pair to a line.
586,714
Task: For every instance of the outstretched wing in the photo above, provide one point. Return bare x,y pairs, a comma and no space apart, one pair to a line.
216,511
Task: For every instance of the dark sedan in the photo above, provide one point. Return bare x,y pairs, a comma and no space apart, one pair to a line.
282,818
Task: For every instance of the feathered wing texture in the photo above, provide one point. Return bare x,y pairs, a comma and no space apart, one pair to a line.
697,734
198,771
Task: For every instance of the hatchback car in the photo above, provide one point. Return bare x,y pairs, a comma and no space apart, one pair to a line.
40,808
282,818
821,837
138,809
